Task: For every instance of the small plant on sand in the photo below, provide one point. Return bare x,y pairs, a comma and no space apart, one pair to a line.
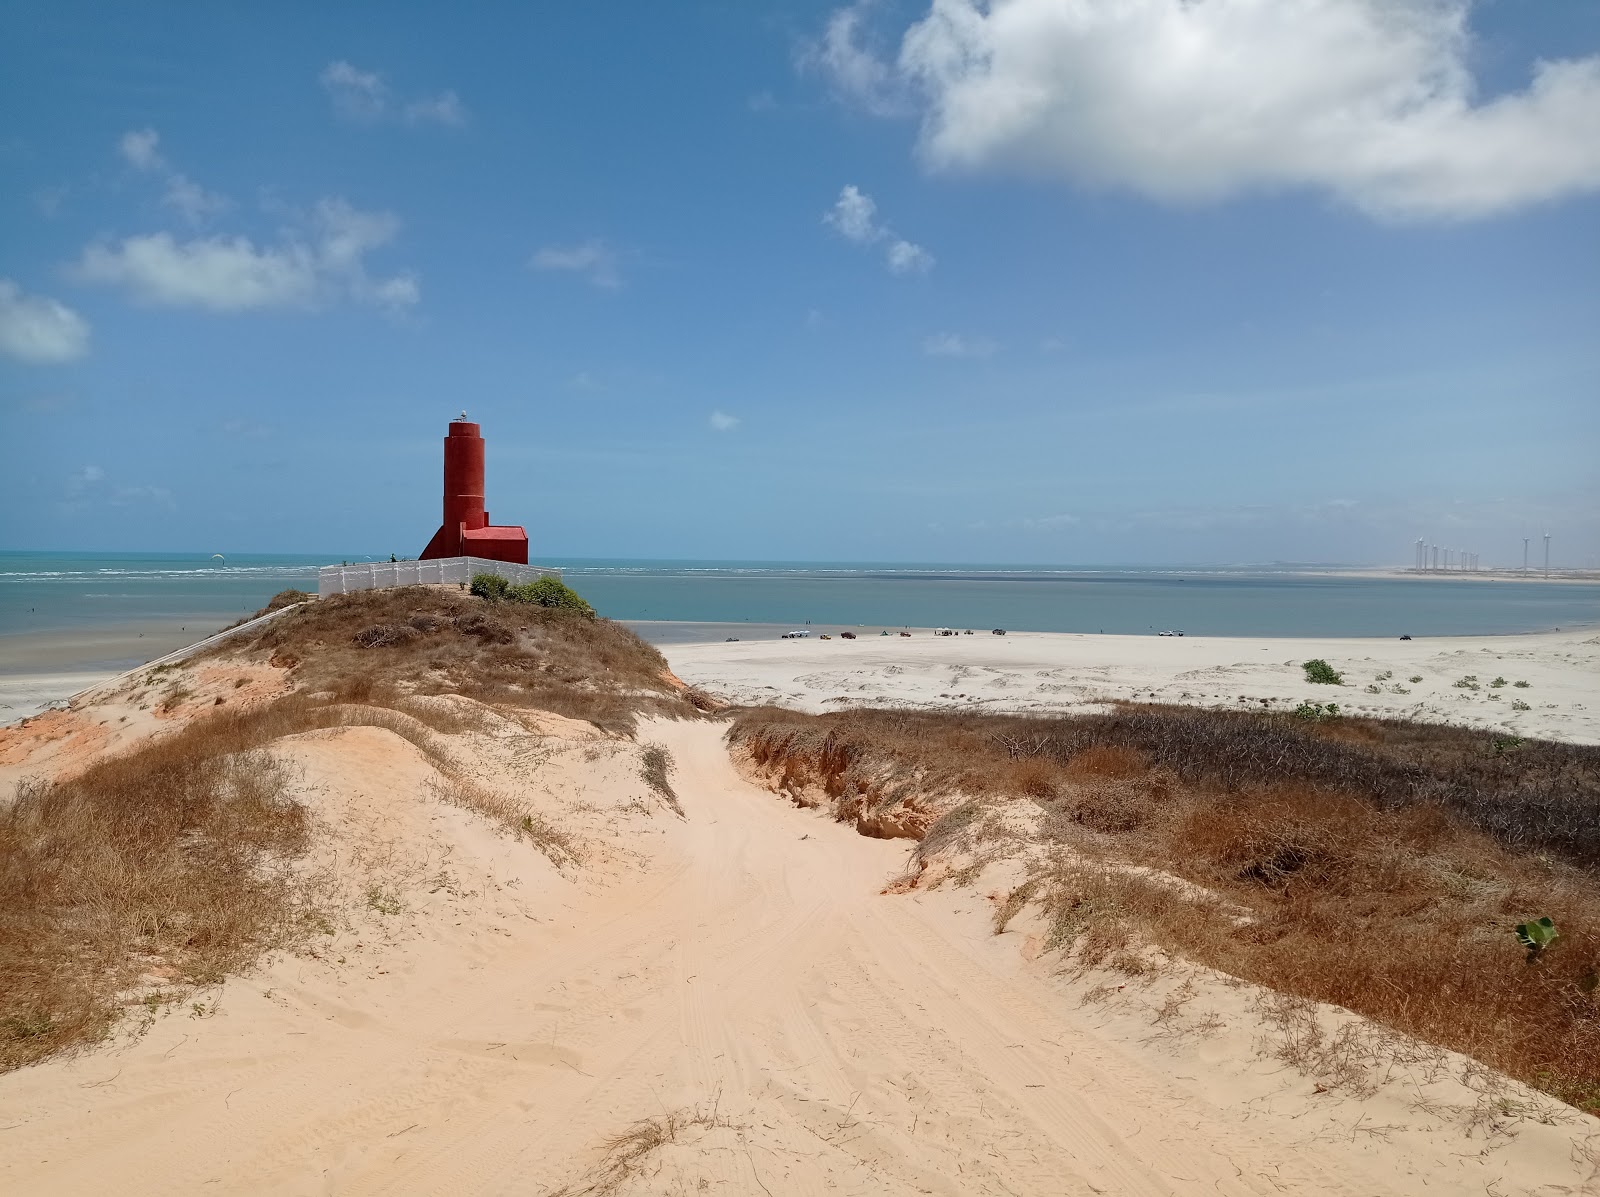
1498,682
1397,688
1470,682
1520,685
383,901
1313,712
1319,671
1374,688
1385,675
1415,678
1537,935
656,769
1518,705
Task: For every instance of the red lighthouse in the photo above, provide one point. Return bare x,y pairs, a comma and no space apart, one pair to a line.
466,531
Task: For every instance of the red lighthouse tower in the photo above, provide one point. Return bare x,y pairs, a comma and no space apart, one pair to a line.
466,531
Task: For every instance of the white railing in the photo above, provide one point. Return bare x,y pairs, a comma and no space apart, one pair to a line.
377,575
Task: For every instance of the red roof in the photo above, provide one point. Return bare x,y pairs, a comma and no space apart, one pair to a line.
495,532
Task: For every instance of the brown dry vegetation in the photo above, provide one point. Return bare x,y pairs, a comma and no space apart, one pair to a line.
433,640
1376,865
178,862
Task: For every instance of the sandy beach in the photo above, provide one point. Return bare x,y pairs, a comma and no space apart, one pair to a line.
1043,671
491,993
42,668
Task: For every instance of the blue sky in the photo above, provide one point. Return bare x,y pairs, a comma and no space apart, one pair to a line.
1042,281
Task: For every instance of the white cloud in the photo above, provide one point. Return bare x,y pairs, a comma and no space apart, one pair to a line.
948,344
595,260
365,98
38,329
859,74
443,109
723,422
138,148
854,216
357,95
1371,101
906,257
321,263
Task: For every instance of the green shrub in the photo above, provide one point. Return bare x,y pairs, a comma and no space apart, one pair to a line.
550,592
1415,678
1470,682
1498,682
491,587
1518,705
1314,712
1385,675
1318,670
1520,685
541,592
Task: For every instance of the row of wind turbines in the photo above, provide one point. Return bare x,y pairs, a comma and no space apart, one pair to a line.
1432,558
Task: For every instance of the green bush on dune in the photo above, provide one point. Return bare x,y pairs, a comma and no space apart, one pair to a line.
541,592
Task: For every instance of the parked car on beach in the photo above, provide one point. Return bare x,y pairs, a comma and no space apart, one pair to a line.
797,634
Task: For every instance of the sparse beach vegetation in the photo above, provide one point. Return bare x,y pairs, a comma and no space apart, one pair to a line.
1303,851
1320,672
181,857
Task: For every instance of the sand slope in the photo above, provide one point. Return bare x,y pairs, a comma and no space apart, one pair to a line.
1048,671
503,1020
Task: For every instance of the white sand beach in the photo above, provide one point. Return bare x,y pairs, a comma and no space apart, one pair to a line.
1044,671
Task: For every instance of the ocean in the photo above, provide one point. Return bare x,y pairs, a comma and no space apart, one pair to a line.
66,592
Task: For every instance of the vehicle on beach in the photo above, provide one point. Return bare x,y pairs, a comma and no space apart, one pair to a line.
943,632
825,636
1171,633
999,632
847,635
907,635
798,634
731,640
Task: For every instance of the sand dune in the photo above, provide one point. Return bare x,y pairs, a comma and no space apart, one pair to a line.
1043,671
484,1022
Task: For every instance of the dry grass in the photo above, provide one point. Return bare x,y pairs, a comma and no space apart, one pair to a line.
168,861
175,861
656,767
431,640
511,816
1374,865
627,1155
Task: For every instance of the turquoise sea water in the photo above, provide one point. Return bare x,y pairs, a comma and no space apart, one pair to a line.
60,592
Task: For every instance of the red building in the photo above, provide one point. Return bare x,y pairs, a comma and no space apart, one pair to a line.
466,531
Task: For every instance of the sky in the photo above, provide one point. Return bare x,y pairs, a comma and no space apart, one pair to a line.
1042,281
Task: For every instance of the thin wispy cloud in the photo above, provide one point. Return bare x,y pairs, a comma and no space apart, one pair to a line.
364,97
320,263
592,260
39,330
723,422
949,344
1373,102
854,216
141,149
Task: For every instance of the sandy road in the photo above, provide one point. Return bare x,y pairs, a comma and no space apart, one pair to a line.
843,1041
